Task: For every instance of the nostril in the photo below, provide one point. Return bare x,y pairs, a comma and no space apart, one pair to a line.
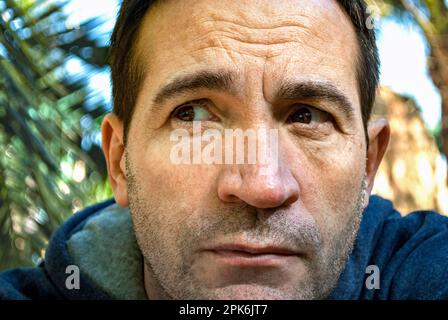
231,198
228,186
293,198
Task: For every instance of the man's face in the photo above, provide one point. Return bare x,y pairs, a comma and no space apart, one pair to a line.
265,231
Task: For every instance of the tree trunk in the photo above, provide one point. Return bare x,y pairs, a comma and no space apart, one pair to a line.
434,25
438,67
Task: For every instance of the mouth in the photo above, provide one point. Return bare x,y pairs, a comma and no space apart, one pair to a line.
252,256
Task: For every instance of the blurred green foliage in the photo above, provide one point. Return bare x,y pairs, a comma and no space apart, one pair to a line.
47,170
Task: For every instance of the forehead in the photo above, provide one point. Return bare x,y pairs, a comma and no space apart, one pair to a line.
262,40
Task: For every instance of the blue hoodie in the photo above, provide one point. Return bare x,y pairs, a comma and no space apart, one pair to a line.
411,254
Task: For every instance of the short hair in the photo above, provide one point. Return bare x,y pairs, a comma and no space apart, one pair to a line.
127,76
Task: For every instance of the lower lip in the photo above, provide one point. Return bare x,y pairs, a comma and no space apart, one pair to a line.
244,259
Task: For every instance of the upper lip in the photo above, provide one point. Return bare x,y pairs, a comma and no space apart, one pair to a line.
254,249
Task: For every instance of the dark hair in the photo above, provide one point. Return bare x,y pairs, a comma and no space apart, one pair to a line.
127,76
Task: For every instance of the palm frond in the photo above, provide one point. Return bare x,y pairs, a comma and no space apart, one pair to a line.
45,174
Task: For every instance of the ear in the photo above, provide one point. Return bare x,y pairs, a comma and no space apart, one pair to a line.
379,135
113,148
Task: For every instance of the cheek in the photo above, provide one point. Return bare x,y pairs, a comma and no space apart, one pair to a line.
330,181
173,187
167,205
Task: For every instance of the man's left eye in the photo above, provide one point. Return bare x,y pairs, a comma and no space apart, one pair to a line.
306,114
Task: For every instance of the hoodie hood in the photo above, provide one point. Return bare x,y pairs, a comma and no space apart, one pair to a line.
106,250
100,241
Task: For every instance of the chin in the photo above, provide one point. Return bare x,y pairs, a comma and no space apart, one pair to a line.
256,292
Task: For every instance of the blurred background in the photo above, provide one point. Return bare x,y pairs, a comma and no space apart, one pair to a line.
55,89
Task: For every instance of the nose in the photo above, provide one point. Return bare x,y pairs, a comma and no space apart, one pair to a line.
263,186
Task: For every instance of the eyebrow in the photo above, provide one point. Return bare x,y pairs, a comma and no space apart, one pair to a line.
317,90
213,80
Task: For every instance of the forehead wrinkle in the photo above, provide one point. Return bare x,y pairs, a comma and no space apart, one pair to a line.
269,23
277,32
262,41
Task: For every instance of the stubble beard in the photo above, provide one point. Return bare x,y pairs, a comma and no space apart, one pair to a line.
173,279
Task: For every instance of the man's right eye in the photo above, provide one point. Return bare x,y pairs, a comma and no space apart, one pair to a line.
193,111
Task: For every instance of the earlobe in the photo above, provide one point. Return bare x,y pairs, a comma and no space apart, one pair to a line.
113,149
379,135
